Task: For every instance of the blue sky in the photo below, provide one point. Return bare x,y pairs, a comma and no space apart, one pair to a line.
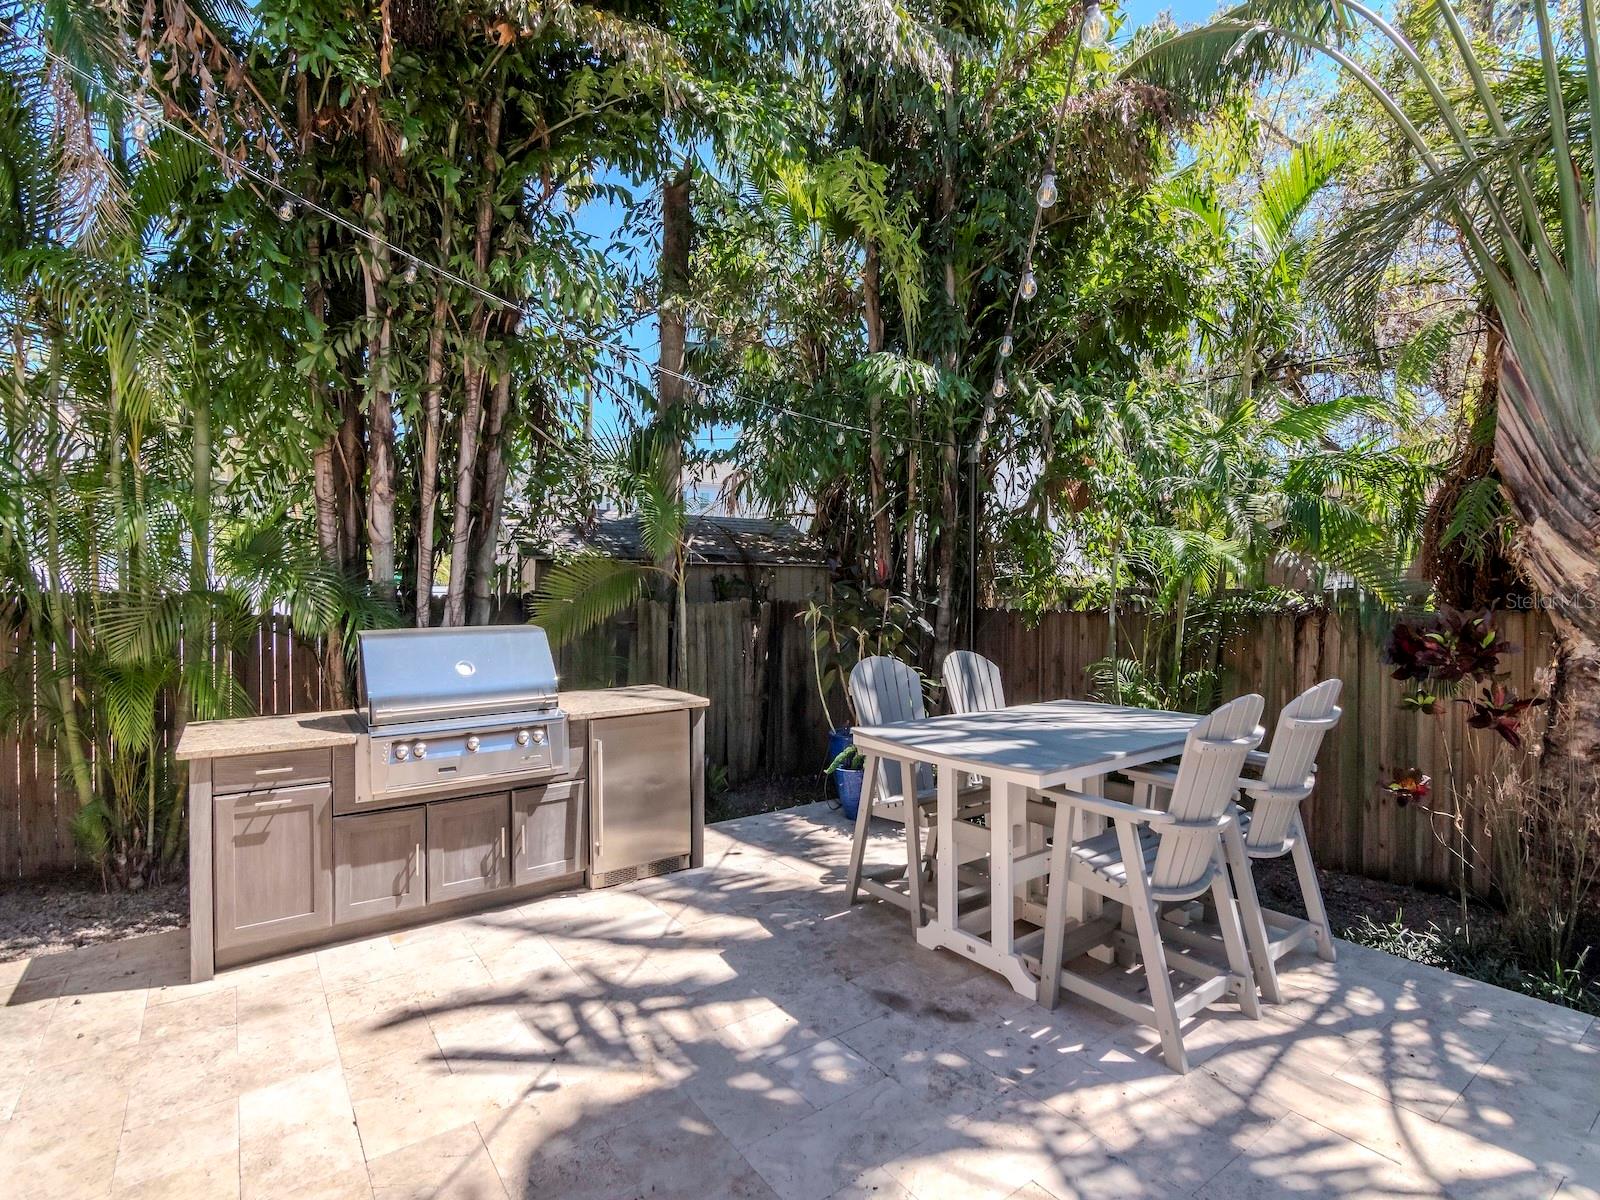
602,218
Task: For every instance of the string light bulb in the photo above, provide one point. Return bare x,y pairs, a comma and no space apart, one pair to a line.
999,386
286,211
410,274
1006,346
1030,285
1095,25
141,131
838,438
1047,190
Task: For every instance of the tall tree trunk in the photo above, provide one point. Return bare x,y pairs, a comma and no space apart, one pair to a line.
877,487
324,460
350,475
1556,497
950,476
677,235
380,408
432,425
487,538
475,375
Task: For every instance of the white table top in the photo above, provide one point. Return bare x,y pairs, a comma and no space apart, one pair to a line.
1037,745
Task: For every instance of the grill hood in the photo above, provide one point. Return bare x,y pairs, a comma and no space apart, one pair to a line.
411,675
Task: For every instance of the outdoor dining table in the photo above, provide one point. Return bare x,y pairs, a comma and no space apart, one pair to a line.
1020,750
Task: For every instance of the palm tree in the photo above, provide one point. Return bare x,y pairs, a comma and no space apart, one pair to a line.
1531,246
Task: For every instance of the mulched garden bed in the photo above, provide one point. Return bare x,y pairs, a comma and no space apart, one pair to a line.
54,913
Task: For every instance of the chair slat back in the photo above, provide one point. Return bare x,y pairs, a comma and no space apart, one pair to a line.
885,690
972,683
1207,781
1290,770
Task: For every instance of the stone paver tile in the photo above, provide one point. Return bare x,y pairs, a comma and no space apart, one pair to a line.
492,1041
1422,1064
821,1153
359,962
205,1179
180,1016
454,1164
683,1157
402,1029
404,1098
278,1042
825,1072
926,1067
90,1025
300,1133
1539,1079
993,1152
68,1152
1300,1158
190,1071
203,1136
829,1008
745,1100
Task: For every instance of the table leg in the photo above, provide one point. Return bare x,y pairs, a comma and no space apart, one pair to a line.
1008,804
908,782
947,864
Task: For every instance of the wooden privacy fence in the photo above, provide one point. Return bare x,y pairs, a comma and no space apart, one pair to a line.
1353,823
754,661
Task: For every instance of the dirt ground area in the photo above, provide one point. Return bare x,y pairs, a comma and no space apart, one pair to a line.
49,914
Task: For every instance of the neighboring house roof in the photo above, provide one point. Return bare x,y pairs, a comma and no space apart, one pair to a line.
712,539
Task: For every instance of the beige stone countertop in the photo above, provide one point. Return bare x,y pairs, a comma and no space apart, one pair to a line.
312,731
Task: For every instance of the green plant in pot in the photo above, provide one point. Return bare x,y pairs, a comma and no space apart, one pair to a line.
848,768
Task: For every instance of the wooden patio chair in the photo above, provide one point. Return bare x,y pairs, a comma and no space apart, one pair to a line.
1151,857
885,691
971,683
1269,826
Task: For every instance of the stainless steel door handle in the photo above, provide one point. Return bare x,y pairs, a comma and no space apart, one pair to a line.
597,782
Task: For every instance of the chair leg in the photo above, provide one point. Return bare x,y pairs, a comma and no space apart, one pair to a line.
1233,938
1151,949
858,845
1255,923
1311,892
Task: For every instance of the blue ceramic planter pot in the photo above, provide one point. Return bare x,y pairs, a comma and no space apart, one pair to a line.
848,782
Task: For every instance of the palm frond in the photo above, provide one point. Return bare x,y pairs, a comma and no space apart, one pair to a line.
584,592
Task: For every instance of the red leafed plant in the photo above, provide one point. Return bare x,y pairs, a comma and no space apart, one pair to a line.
1499,709
1446,647
1408,784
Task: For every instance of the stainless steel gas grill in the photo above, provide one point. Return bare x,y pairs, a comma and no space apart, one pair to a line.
444,707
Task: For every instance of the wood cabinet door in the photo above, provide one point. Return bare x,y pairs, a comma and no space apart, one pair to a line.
547,832
467,846
273,870
378,866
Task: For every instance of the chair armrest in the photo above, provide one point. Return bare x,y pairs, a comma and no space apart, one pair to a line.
1101,806
1156,773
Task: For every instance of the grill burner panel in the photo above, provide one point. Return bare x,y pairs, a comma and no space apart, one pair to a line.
450,706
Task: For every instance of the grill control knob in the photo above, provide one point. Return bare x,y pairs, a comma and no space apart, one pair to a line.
522,737
473,743
420,749
401,753
539,736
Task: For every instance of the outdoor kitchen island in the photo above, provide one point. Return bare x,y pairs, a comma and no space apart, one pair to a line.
293,845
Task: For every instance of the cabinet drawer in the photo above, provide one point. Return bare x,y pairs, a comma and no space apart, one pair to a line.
257,772
378,867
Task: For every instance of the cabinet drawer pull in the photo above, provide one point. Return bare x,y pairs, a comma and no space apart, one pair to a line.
274,770
284,803
598,791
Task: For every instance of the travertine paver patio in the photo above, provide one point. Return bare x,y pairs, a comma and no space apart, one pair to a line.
732,1032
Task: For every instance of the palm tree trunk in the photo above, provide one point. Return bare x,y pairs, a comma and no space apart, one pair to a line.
1556,496
677,235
